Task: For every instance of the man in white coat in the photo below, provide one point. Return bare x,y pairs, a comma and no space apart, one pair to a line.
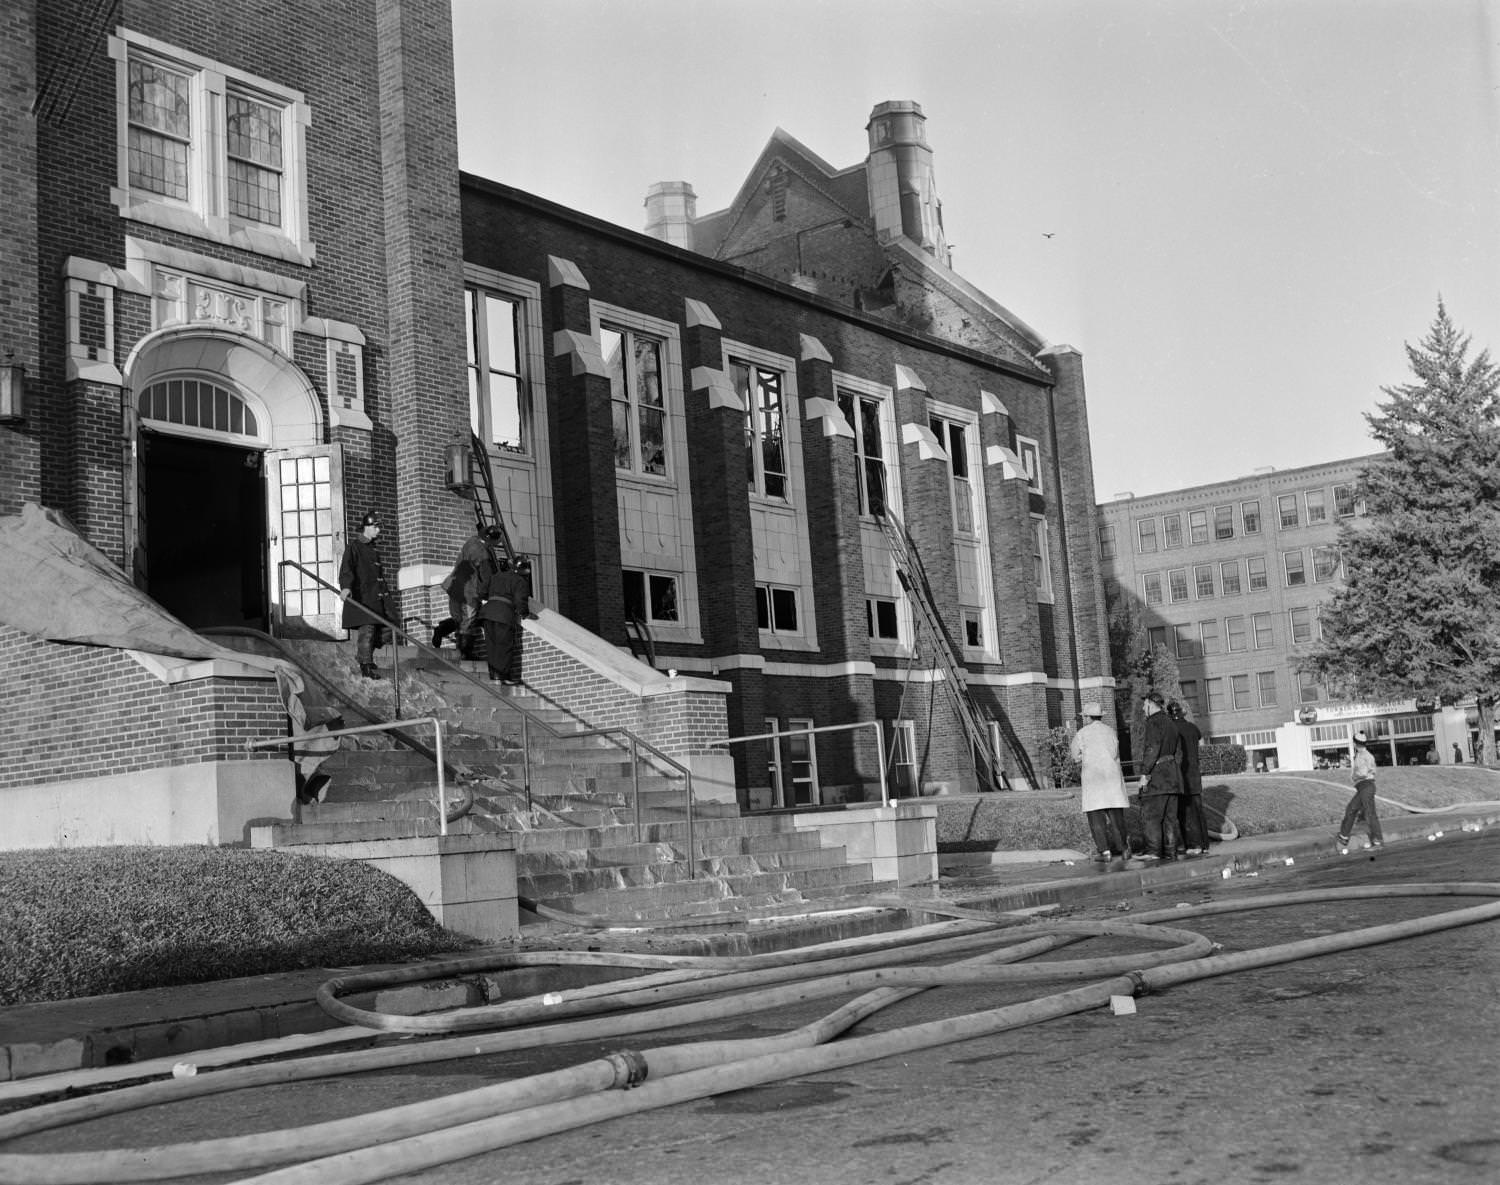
1096,748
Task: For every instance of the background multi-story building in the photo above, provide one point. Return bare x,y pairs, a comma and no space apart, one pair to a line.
1231,578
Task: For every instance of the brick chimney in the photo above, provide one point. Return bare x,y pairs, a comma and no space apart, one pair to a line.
671,207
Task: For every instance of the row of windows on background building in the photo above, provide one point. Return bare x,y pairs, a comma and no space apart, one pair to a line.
1226,579
1234,635
1241,693
1170,531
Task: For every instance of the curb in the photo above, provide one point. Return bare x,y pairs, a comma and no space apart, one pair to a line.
1244,857
66,1036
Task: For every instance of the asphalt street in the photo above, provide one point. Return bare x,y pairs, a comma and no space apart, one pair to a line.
1370,1066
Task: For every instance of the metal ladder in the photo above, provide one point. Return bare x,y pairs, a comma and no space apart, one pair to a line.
913,579
487,509
642,644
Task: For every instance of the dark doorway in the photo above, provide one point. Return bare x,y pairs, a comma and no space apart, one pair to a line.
205,512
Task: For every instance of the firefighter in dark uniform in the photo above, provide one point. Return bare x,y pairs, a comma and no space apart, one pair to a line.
1161,780
1192,823
362,586
506,599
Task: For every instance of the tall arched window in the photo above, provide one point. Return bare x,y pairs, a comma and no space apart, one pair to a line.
200,404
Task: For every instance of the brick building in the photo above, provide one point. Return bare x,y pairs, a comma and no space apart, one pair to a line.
254,298
234,267
768,390
230,264
1230,577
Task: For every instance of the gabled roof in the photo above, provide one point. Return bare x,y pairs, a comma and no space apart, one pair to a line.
1025,340
847,191
843,188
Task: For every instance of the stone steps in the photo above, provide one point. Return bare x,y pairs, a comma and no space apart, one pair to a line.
540,880
581,851
291,835
606,835
713,848
635,903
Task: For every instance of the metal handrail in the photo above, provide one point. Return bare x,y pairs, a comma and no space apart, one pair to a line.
636,745
341,695
396,630
885,794
529,718
437,730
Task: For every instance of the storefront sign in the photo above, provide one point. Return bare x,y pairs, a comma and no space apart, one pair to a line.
1359,711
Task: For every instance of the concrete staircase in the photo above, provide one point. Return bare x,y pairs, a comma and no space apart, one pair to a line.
594,837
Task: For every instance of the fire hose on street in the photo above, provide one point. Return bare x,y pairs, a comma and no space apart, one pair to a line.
680,990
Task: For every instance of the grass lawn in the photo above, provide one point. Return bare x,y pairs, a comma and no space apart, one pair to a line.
1255,803
91,921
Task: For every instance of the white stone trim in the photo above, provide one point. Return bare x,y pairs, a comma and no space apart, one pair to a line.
907,380
565,272
991,405
827,410
813,350
696,313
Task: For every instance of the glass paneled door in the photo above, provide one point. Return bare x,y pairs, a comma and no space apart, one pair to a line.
305,505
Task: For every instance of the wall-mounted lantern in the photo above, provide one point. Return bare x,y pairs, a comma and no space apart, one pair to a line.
12,389
458,468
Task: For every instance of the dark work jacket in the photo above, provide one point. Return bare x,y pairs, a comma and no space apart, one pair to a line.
476,564
506,597
1189,735
362,574
1159,757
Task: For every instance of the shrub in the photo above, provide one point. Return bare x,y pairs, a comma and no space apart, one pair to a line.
1221,759
89,921
1061,767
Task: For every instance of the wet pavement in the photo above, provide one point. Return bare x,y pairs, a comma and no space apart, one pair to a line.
136,1030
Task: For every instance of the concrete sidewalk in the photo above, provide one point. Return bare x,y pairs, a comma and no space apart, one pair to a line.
169,1023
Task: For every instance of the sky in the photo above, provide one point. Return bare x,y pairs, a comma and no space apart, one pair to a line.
1240,212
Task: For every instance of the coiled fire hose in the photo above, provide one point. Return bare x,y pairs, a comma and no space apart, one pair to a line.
377,1146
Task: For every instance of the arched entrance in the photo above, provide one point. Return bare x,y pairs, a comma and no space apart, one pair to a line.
205,551
231,475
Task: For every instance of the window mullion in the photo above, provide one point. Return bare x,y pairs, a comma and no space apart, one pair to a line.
632,398
209,167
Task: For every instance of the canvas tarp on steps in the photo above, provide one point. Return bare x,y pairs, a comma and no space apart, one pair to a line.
58,586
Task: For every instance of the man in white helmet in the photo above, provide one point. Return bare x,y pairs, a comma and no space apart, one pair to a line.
1362,804
1096,748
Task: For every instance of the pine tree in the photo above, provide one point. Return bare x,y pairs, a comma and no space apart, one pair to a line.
1420,610
1138,666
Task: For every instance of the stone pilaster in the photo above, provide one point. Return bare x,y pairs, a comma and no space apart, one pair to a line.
583,449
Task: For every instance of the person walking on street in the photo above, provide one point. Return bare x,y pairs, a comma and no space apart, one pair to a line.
1362,804
1096,748
1192,825
506,599
1161,780
362,587
471,572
